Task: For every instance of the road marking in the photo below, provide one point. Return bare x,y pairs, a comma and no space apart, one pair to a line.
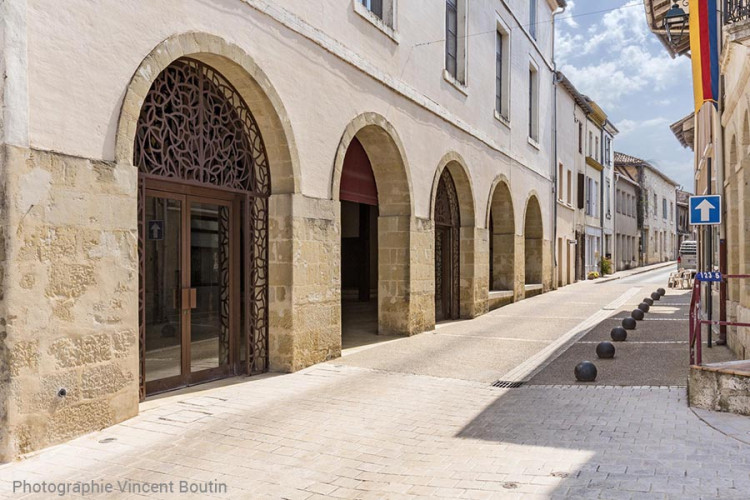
531,366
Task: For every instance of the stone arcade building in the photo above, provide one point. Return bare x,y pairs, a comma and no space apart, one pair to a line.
192,190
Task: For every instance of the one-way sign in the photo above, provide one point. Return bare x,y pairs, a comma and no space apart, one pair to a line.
705,209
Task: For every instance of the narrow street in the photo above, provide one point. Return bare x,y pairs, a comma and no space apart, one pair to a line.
418,417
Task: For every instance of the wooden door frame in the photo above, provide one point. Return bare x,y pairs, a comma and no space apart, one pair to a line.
188,194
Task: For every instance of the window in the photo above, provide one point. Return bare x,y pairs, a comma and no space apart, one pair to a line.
664,208
532,18
533,103
570,180
656,208
596,149
609,206
608,151
618,204
595,202
502,72
591,143
589,189
374,6
581,188
580,137
560,180
455,39
671,211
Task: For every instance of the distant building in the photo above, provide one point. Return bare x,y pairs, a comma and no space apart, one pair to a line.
627,229
656,209
684,231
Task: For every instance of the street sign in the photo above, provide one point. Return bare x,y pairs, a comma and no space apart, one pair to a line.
708,276
155,229
705,210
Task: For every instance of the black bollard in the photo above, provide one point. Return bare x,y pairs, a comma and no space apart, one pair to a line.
628,324
605,350
618,334
585,371
655,296
649,301
661,291
637,314
644,307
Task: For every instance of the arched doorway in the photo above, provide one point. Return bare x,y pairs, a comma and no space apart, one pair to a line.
203,191
533,235
502,239
447,252
358,194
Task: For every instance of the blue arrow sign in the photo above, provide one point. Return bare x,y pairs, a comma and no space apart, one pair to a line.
705,210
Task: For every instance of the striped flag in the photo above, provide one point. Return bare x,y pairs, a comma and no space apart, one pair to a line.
704,51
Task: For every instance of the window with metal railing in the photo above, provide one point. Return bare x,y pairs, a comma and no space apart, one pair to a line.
736,10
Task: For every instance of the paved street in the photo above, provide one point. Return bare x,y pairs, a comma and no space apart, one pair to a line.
418,417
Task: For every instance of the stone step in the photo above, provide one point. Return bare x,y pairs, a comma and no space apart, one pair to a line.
721,386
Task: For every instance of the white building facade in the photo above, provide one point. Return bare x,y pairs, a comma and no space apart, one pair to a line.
185,186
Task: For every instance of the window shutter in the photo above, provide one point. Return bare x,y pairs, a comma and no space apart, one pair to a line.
581,180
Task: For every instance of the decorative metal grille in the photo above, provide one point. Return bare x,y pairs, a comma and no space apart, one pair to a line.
447,214
224,284
142,286
195,127
736,10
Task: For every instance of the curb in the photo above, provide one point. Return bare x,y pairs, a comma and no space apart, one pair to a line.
641,271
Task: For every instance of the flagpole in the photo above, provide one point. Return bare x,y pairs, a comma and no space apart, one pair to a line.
719,154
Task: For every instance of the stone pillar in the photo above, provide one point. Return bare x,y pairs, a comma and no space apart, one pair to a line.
304,275
548,269
69,298
474,271
406,288
519,268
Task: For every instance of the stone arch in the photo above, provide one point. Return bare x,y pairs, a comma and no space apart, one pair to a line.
389,165
253,86
469,273
502,233
388,159
240,69
464,189
533,234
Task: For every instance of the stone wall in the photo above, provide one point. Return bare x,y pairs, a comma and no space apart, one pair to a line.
70,297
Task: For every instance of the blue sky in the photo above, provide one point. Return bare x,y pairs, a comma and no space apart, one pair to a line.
614,59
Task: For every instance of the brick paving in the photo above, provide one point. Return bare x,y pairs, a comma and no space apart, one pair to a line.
341,431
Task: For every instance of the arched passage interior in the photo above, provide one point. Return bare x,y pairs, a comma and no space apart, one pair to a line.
359,247
502,239
533,243
371,181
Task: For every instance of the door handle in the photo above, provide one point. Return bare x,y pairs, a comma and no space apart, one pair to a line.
189,298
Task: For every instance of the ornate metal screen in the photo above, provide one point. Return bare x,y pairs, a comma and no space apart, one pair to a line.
194,127
447,215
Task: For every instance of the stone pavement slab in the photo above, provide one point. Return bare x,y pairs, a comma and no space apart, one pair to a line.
341,431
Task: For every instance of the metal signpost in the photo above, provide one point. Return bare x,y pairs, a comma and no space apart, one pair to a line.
706,211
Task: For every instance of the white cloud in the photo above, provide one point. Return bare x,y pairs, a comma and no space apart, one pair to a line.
568,16
627,126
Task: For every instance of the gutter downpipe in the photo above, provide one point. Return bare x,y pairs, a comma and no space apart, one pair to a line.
556,80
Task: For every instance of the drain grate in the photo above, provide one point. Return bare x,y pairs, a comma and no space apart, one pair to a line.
507,384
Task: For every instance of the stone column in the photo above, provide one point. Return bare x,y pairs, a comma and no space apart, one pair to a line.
474,271
304,274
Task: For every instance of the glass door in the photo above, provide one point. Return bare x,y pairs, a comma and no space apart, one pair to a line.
190,293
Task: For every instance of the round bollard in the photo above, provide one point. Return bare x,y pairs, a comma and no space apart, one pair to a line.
649,301
618,334
661,291
605,350
644,307
655,296
585,371
628,324
637,314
